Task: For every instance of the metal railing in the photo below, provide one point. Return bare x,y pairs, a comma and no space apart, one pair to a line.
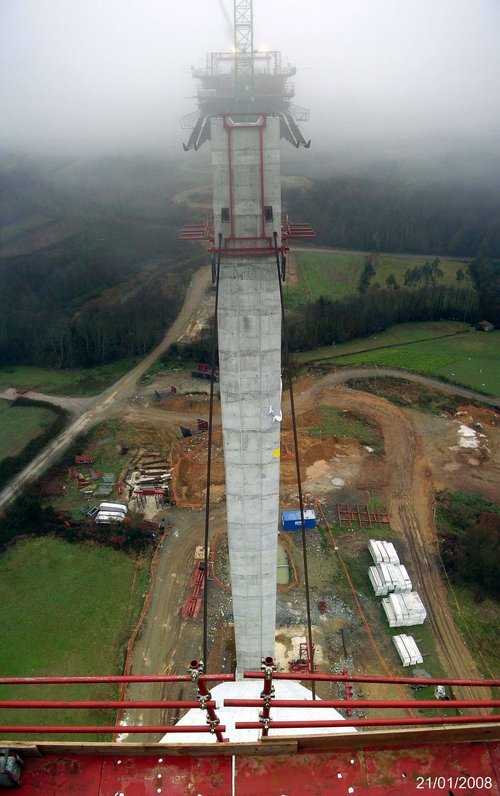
266,703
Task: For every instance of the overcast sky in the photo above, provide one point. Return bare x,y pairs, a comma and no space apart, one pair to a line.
113,72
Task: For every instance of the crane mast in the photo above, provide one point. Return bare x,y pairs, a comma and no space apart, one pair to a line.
244,77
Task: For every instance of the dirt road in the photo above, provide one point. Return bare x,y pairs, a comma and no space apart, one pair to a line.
410,489
345,374
110,401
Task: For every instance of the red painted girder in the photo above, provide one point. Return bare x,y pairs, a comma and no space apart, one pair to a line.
370,772
102,704
117,678
361,678
443,720
90,775
107,729
366,703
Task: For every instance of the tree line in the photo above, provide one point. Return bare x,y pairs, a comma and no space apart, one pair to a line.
28,517
328,321
405,215
469,538
83,311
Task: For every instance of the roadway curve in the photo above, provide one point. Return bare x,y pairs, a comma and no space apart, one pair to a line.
347,373
107,404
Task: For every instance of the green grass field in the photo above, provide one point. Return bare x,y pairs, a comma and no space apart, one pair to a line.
20,424
336,274
402,333
67,610
470,358
91,381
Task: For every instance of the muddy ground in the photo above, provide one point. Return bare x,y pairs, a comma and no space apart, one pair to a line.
421,454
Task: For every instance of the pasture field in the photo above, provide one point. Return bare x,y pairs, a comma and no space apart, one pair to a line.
399,334
90,381
67,610
471,359
20,424
336,274
448,350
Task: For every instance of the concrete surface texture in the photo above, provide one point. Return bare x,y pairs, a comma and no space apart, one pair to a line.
246,179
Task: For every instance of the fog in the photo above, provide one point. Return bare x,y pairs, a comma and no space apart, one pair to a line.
114,75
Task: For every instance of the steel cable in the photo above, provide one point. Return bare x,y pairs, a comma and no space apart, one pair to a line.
297,466
209,461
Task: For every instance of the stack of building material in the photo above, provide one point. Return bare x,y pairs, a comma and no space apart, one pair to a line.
386,578
382,552
407,649
110,512
403,610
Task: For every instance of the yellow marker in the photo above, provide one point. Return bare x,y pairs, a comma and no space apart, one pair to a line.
276,453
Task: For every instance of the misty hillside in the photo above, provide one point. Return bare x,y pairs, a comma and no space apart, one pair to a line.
92,267
90,261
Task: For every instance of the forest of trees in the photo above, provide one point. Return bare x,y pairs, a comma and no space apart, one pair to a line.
113,279
348,212
47,315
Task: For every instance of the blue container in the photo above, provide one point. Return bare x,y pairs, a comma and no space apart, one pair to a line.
290,520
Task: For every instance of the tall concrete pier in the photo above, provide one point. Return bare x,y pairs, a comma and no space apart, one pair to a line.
244,111
246,182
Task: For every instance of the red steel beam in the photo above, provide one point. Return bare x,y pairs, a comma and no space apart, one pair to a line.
147,728
100,704
117,678
361,678
278,725
366,703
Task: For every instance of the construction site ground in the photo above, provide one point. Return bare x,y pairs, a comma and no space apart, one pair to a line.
421,454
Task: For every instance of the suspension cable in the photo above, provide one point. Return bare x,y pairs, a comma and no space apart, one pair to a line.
209,460
297,465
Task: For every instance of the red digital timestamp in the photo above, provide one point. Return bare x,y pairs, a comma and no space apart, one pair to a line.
457,782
